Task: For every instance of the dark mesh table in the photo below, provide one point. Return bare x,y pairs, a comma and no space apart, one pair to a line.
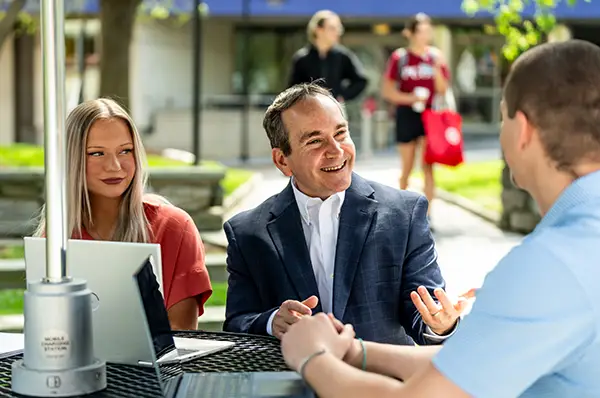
250,354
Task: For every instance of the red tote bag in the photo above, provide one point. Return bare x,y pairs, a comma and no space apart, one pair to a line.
443,129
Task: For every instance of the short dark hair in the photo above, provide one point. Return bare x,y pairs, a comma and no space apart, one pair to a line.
273,124
557,86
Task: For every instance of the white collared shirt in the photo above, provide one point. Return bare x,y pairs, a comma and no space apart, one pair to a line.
321,219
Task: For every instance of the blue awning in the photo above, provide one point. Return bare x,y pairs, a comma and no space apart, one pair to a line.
346,8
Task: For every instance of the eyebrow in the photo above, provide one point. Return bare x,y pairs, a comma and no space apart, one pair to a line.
311,134
101,147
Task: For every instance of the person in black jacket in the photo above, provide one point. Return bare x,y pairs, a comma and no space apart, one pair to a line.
324,58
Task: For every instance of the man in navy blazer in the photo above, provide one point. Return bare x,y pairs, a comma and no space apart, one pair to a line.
332,241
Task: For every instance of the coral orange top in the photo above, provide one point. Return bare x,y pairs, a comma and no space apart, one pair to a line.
182,251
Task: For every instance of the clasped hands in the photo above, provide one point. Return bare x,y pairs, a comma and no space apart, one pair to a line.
439,317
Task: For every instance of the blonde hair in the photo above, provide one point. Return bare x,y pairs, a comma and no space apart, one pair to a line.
317,21
132,224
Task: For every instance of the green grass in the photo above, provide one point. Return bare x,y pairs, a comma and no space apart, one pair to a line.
12,252
234,178
24,155
219,295
11,301
479,182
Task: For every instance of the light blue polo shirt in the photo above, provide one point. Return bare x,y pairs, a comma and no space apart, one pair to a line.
534,330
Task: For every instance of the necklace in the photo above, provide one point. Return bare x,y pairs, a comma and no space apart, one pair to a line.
97,236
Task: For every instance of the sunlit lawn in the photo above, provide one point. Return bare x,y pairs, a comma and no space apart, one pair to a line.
479,182
11,301
23,155
12,252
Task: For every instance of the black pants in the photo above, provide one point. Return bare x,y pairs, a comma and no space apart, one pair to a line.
409,125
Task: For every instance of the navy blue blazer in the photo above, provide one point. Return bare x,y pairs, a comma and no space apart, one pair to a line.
385,250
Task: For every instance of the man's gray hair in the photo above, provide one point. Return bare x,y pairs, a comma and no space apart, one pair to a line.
273,123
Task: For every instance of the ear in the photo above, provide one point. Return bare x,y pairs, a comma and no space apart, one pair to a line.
281,162
526,130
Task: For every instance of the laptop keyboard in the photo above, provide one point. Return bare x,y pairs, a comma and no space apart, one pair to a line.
228,386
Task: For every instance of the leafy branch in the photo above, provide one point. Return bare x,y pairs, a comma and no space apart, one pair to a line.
520,33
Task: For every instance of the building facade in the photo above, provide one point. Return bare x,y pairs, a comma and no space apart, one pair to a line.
162,57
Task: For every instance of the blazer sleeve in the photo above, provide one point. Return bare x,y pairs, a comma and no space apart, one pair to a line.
420,269
242,311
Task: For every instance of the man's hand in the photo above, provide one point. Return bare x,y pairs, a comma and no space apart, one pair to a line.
311,334
290,312
439,317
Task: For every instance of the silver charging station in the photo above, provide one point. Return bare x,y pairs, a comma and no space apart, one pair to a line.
58,360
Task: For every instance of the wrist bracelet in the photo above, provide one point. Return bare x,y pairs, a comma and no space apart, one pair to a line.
364,358
307,360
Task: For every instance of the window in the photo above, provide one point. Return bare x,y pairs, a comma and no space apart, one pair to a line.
477,65
89,45
270,51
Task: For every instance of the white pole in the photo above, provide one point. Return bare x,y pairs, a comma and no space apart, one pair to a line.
56,308
53,61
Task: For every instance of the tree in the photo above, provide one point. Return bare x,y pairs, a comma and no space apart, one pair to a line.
16,16
520,33
519,213
10,18
116,18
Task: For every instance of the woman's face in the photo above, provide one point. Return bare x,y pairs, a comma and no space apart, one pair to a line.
110,158
422,35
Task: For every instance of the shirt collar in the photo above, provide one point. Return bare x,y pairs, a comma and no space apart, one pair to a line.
582,190
304,202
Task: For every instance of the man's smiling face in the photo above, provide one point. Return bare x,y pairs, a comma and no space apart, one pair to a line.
322,152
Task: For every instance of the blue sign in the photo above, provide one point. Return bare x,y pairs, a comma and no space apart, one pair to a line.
438,9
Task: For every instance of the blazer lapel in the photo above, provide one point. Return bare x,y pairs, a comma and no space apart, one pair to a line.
356,218
287,234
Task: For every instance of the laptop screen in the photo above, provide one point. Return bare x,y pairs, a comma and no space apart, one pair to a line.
154,307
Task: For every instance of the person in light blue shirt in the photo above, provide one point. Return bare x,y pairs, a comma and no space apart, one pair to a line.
534,330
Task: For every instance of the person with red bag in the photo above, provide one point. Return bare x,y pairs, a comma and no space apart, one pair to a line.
443,126
413,76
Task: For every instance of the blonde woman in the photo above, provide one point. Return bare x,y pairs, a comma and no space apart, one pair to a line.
106,182
324,58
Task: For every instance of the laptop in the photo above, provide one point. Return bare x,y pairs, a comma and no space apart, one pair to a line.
117,318
133,253
165,348
213,385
